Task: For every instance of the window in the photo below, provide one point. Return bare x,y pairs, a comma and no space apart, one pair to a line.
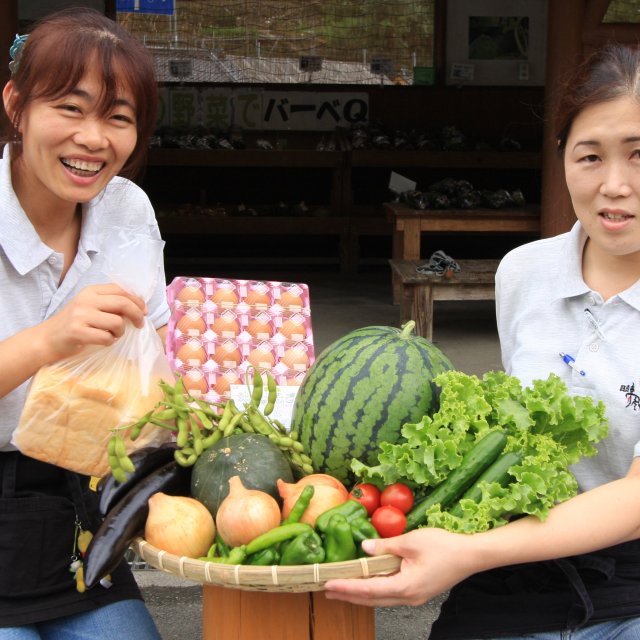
286,41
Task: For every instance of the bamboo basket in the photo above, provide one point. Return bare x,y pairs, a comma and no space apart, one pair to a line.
289,579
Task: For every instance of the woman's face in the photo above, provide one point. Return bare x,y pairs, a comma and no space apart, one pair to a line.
602,169
70,151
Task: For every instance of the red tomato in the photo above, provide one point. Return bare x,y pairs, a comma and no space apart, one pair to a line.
397,495
367,495
389,521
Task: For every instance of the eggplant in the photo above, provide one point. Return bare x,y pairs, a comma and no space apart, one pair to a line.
127,519
145,461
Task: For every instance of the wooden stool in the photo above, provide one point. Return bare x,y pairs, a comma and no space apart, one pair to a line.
234,614
474,281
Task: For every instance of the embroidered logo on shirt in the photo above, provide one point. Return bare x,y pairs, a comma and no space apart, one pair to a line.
633,399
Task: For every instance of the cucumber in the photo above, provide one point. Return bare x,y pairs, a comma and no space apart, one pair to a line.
497,472
474,462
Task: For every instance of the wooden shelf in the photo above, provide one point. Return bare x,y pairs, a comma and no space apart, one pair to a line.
245,158
349,220
446,159
254,225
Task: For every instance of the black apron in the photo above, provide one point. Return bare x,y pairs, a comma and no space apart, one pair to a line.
41,507
564,594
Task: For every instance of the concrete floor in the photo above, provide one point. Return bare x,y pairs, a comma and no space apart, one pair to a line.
465,331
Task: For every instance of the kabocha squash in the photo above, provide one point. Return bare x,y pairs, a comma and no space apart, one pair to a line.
252,456
361,390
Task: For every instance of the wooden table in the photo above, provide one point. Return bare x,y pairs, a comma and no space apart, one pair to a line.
408,225
234,614
418,291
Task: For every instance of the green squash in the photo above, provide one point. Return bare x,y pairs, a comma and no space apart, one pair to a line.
252,456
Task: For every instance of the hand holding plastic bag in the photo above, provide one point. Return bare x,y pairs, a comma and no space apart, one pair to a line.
74,404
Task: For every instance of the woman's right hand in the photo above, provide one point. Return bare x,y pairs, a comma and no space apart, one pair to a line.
96,316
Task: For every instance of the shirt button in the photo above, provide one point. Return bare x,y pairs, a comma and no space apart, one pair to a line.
592,300
594,346
52,259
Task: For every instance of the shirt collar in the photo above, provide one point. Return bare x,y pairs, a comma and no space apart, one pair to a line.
569,265
18,238
571,282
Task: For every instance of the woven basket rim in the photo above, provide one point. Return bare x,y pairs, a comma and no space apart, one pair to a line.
298,578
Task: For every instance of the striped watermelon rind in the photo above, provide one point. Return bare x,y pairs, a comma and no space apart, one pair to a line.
361,390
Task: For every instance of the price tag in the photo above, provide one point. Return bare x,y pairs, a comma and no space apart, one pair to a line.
283,409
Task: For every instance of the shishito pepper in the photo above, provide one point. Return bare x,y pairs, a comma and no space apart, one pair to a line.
338,540
300,505
264,558
236,555
305,548
277,535
350,509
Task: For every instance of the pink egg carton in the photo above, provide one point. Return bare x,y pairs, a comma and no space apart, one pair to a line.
219,328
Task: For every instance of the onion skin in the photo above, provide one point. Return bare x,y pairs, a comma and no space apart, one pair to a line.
323,478
245,514
180,525
324,498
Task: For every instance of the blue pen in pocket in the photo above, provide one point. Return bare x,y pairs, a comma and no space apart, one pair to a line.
570,360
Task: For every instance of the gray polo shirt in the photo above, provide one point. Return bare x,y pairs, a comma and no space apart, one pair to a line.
30,270
544,308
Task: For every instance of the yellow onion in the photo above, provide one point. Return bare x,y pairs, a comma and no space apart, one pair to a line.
324,497
179,525
245,514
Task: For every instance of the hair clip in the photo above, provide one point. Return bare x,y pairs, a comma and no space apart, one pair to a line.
15,52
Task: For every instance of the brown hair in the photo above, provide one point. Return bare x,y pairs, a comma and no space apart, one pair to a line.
609,73
58,53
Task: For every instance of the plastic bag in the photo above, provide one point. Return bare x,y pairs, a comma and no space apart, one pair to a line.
74,404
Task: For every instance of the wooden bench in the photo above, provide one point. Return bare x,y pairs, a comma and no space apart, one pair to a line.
474,281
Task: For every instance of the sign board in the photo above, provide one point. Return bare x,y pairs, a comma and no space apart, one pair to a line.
161,7
257,109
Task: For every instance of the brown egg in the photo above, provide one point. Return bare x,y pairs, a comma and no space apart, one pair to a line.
296,359
261,357
293,329
225,297
224,382
192,324
290,300
226,325
191,293
257,298
192,353
260,328
227,354
195,382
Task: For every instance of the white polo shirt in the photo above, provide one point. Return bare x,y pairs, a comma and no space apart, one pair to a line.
544,308
30,270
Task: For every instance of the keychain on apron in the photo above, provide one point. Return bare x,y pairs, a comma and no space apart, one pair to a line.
81,542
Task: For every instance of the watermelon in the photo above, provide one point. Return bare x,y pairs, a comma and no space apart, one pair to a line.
361,390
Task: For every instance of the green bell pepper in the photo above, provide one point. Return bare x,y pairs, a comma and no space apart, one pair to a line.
305,548
350,509
362,529
338,540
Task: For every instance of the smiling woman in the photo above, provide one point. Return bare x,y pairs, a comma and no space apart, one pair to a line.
72,137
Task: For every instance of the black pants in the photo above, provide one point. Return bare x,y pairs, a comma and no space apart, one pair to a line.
557,595
41,506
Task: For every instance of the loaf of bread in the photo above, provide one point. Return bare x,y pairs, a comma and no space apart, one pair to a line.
67,418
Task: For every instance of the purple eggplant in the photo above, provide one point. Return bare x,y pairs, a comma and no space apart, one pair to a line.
127,519
145,461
